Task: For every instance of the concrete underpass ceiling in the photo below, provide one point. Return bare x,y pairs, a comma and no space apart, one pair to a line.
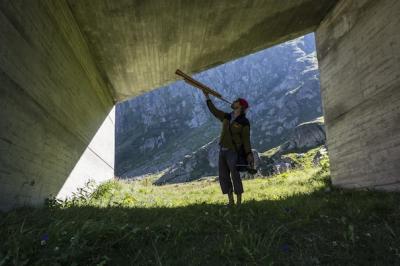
138,44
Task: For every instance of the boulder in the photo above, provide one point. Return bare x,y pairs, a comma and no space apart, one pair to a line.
304,137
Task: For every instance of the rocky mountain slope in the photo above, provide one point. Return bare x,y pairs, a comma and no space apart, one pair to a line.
204,162
158,129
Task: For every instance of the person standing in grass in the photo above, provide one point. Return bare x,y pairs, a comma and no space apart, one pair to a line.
235,138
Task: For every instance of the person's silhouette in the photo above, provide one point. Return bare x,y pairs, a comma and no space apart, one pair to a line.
235,137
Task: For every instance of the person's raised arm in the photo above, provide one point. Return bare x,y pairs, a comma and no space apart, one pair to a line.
214,110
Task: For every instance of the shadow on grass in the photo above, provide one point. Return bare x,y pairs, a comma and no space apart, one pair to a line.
336,227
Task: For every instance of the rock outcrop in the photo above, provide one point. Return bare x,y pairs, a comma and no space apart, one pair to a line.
304,137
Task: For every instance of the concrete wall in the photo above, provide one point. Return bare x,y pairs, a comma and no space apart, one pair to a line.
52,98
97,161
358,46
140,43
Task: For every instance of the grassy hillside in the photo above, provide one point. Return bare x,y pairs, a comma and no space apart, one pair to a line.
295,218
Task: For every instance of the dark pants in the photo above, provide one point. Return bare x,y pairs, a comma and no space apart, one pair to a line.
228,173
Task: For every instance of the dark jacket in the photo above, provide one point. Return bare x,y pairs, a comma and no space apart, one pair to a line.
240,129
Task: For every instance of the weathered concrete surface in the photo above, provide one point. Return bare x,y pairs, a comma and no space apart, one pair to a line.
97,161
139,44
52,99
359,57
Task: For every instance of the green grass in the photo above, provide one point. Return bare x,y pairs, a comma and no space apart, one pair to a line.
295,218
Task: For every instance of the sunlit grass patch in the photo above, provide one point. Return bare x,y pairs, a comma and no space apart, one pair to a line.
141,193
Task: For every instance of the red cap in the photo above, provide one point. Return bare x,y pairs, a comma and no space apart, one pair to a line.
243,103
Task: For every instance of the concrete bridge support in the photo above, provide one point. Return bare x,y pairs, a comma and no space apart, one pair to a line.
64,63
53,100
358,46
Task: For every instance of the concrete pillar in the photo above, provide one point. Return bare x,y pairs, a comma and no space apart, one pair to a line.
96,162
53,100
358,46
